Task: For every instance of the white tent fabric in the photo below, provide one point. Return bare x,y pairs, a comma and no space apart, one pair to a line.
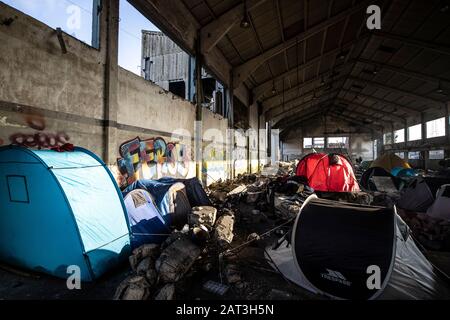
441,206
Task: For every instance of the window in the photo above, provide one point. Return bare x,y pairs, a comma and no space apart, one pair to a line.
436,154
387,138
337,142
414,155
399,136
17,189
307,143
436,128
178,88
400,155
319,142
79,18
415,132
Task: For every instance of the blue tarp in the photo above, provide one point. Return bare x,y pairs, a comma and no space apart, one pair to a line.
70,212
146,222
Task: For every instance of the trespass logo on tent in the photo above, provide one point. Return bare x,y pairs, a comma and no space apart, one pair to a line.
335,276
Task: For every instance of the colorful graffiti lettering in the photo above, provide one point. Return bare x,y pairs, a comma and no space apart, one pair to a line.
39,140
152,159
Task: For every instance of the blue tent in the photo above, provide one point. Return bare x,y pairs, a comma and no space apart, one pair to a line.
60,209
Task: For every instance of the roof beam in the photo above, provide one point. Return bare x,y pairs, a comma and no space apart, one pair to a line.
262,88
380,111
298,120
416,43
408,73
433,102
385,102
307,114
243,71
366,116
280,109
218,28
357,121
299,107
273,102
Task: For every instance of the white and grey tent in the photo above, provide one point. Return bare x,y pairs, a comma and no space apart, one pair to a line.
335,247
420,194
441,206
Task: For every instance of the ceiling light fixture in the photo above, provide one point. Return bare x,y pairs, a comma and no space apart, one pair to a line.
245,23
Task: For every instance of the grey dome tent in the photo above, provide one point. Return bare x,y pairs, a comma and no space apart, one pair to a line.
420,194
441,206
334,244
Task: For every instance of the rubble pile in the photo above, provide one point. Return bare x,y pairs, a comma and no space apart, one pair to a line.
158,269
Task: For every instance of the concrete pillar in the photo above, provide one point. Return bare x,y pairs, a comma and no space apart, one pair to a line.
424,138
111,9
198,131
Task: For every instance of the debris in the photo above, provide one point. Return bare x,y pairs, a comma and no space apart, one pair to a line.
232,274
133,288
176,260
145,251
166,293
238,190
145,265
215,287
224,229
200,235
204,215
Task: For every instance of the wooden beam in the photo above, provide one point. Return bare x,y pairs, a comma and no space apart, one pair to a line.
357,121
300,107
378,110
218,28
243,71
405,72
394,105
433,102
262,88
440,48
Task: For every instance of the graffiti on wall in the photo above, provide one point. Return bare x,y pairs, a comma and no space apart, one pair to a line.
38,139
152,159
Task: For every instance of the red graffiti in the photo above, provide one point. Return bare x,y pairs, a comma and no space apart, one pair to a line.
35,121
39,140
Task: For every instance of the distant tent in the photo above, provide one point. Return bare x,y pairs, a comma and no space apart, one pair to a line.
146,222
420,194
60,209
403,172
328,172
334,244
441,206
390,161
170,199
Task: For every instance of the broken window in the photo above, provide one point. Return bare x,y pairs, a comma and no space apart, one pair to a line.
414,155
307,143
319,142
436,128
415,132
78,18
337,142
178,88
399,136
436,154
